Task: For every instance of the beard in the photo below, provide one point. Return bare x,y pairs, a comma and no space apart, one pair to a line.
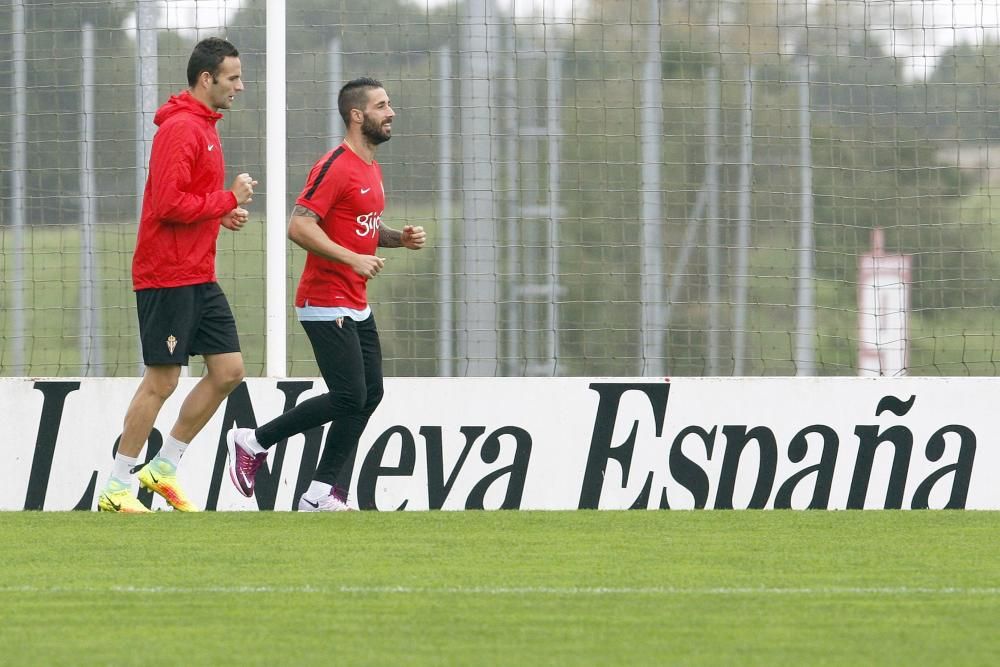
374,132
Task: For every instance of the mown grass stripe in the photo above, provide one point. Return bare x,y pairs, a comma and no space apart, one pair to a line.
512,590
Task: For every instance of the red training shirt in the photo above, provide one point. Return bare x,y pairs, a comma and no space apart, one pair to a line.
184,198
346,193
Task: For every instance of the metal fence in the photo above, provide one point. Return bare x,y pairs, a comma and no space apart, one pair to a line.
609,187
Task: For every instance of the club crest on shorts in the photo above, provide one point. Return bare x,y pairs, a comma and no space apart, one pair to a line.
171,343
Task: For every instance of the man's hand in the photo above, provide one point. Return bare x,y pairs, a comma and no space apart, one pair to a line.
413,237
367,266
235,219
243,189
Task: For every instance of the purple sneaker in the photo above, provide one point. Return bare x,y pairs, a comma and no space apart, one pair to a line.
336,501
243,464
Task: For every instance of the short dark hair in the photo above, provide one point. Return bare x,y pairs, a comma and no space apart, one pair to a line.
354,95
207,56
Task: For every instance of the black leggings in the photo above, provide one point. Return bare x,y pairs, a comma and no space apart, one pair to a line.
349,357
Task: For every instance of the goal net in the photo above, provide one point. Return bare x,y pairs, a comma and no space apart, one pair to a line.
610,187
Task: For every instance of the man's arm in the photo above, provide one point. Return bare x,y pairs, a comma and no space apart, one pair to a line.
409,237
172,165
305,232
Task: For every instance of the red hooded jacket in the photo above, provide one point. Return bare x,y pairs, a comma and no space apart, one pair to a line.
184,198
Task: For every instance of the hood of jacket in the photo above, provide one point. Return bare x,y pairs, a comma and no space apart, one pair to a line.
184,102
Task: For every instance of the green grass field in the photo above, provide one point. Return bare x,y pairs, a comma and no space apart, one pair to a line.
528,588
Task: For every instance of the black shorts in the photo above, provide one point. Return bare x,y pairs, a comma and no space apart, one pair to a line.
180,322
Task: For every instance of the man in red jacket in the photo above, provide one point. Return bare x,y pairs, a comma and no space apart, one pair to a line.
182,310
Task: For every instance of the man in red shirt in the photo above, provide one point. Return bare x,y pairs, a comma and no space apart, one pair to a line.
182,310
337,219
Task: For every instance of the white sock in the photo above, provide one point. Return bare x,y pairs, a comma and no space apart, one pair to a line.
251,443
318,490
172,450
123,468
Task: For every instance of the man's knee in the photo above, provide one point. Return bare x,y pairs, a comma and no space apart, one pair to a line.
159,382
227,374
231,379
375,395
348,401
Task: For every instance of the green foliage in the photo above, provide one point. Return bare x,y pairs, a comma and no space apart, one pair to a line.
962,95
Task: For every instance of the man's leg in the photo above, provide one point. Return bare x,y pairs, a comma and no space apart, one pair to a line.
338,355
224,373
158,383
341,360
215,338
345,433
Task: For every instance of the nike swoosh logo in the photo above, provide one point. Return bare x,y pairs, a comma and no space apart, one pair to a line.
246,480
365,191
211,146
309,502
112,503
153,477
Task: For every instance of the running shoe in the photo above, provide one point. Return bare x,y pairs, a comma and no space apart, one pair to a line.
243,464
160,476
117,497
335,501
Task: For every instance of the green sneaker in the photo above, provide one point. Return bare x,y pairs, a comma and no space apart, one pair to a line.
117,497
160,476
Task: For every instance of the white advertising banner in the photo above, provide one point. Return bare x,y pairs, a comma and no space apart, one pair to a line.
548,443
